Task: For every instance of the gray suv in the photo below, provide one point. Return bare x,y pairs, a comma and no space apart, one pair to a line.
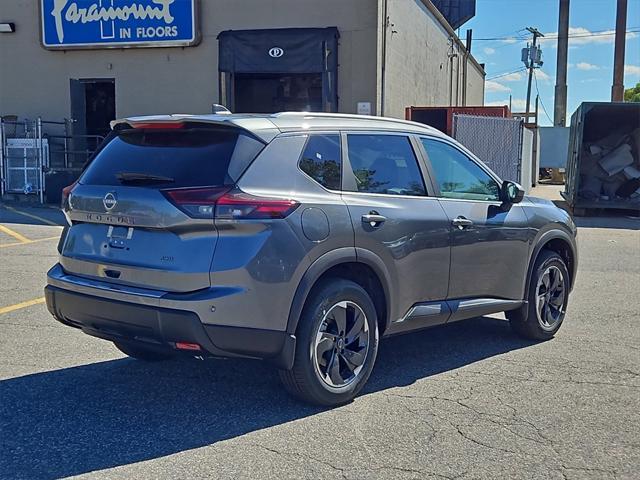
300,239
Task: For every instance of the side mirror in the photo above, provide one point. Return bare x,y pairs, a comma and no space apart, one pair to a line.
511,192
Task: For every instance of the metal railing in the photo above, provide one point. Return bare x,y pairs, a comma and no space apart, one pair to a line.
24,157
32,150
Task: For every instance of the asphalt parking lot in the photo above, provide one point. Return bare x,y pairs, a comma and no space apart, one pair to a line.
468,400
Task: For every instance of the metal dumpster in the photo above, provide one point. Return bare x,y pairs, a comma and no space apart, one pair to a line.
603,159
442,117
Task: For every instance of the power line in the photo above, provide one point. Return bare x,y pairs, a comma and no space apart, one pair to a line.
598,33
592,34
495,39
507,36
500,75
504,72
535,77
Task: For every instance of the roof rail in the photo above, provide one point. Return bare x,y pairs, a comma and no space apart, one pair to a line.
353,116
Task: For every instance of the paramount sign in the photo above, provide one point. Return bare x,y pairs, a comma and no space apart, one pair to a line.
69,24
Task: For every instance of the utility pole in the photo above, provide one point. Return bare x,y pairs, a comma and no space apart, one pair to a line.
465,66
560,103
532,58
617,90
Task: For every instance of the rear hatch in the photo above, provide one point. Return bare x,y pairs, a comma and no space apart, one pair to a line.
131,218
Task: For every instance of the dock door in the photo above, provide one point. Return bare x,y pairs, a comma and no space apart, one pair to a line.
290,69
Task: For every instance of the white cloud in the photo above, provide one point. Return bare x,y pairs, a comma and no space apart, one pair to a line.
491,86
510,40
542,77
587,66
512,77
584,36
489,50
517,104
633,70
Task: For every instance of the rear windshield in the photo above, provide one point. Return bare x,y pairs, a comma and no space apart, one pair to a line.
173,158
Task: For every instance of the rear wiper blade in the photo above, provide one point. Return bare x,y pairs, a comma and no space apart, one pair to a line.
133,177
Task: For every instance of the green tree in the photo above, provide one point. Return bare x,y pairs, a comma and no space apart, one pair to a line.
632,94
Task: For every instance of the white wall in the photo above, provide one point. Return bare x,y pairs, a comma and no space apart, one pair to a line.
35,82
419,69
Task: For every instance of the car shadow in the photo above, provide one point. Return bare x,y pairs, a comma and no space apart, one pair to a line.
626,220
92,417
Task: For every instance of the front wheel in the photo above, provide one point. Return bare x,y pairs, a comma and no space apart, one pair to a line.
544,312
337,344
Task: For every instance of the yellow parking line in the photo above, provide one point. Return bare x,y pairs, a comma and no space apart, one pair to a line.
4,245
18,306
14,234
32,216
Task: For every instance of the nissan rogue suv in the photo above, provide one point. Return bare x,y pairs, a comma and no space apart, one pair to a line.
300,239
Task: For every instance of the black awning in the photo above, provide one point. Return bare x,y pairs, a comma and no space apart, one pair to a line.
283,50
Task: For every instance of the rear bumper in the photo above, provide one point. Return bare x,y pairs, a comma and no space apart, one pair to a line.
160,328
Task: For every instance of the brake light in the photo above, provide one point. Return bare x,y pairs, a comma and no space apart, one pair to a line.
159,125
219,202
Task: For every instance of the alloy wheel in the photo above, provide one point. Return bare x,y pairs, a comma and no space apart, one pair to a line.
550,297
341,344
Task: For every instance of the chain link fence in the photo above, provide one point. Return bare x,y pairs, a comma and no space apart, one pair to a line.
498,142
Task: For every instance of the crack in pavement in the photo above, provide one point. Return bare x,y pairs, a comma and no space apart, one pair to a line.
590,470
302,455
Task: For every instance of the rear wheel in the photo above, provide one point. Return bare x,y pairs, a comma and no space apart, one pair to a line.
544,313
141,353
336,347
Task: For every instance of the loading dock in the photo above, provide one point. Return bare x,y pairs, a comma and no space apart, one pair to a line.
362,56
274,70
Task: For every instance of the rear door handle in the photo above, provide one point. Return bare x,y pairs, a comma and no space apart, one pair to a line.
373,218
461,222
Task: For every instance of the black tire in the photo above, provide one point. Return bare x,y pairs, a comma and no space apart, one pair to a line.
527,321
142,353
305,380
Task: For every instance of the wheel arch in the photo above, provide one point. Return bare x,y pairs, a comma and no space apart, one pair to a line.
563,244
361,266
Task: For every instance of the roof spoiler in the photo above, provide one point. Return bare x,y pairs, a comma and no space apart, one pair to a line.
260,128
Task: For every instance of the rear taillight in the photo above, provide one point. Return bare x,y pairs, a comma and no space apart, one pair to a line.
196,202
240,205
224,204
66,191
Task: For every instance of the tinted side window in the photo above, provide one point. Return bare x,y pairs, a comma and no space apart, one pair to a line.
321,160
458,175
385,164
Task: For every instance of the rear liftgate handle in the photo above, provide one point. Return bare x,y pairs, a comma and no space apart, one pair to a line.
373,218
461,222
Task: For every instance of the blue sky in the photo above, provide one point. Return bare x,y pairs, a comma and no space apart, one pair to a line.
590,71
